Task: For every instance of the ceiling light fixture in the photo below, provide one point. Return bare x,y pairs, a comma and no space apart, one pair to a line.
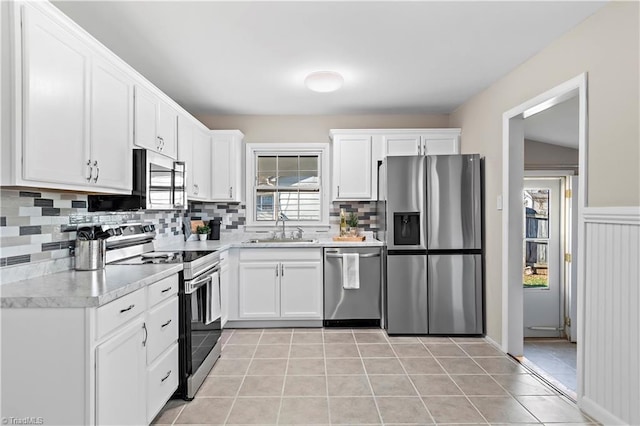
324,81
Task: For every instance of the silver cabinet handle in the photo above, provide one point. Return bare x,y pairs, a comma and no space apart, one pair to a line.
338,190
127,309
146,334
419,147
166,323
276,270
231,192
364,256
166,290
158,138
165,377
95,179
90,170
282,269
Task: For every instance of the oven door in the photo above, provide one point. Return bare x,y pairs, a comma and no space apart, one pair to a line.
202,317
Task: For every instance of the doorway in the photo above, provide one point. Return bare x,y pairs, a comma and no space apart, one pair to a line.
513,306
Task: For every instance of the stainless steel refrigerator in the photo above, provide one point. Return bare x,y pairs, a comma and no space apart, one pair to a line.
430,210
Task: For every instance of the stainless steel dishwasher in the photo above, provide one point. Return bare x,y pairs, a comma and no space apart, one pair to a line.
360,307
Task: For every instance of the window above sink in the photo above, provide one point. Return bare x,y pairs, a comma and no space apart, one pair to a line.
287,178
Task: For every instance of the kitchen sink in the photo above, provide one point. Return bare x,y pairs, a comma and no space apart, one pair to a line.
278,240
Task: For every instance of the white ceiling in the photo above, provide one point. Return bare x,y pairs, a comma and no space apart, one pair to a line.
557,125
396,57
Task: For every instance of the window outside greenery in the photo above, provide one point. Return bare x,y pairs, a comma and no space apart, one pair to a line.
289,184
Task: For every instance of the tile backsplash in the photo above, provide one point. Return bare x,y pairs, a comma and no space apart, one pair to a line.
366,211
31,221
233,215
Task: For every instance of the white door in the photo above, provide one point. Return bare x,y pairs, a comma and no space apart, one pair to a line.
352,167
221,155
259,288
301,290
541,258
55,79
146,115
121,378
440,145
111,126
402,145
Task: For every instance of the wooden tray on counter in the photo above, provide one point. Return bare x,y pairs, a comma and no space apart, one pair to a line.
350,238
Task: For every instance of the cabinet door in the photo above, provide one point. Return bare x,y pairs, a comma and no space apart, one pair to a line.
403,145
202,164
259,290
167,130
441,144
352,167
222,155
146,115
55,96
185,152
111,126
121,378
301,290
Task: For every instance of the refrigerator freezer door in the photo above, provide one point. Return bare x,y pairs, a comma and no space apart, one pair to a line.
405,200
453,202
407,294
455,294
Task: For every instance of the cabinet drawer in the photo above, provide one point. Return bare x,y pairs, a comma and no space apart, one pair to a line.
116,313
162,326
162,381
162,290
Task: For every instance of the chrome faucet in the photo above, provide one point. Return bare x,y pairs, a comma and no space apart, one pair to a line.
282,217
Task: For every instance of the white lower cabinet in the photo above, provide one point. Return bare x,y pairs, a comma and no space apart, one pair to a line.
121,376
112,365
270,289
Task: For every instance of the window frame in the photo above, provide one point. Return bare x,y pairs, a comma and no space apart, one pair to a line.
283,149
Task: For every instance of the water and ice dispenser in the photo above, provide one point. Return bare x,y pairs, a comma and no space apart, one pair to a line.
406,229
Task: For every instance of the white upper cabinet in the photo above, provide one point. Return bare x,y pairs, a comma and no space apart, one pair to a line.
77,120
402,145
351,167
194,148
156,123
357,153
111,126
55,96
227,159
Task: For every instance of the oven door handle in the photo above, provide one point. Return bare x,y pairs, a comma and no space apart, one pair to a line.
199,282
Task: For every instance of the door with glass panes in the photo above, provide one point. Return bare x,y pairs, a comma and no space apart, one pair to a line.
541,257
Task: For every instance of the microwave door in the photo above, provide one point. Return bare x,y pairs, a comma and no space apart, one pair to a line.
160,187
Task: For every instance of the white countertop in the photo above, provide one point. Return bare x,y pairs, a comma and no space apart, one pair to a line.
82,289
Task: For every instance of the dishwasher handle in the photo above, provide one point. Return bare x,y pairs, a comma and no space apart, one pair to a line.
362,256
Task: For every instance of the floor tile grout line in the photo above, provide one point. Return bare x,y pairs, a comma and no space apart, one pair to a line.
226,420
455,383
413,384
326,377
284,378
367,376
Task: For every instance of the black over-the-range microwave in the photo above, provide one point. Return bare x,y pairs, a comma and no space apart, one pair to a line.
159,183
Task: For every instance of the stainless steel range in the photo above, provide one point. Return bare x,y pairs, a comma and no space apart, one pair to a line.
200,325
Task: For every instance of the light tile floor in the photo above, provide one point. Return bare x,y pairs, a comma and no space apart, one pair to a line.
555,360
356,376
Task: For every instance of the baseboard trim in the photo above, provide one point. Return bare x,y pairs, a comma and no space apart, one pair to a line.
273,324
598,413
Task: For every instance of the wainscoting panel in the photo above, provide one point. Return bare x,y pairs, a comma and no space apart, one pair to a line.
611,303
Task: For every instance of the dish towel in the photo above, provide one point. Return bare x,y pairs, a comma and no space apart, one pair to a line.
350,271
212,311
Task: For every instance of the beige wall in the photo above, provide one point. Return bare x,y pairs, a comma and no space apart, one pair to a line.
606,45
541,156
313,128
